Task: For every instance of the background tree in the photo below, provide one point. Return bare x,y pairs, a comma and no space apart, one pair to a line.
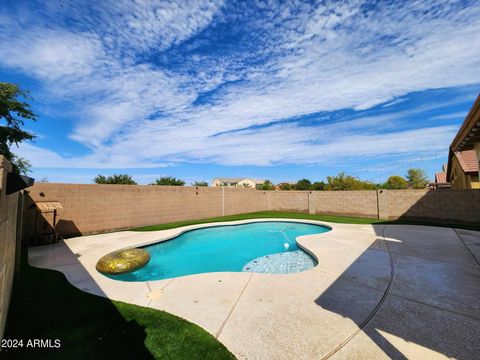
417,178
318,185
303,184
285,186
267,185
168,181
14,112
200,183
348,182
121,179
395,182
20,165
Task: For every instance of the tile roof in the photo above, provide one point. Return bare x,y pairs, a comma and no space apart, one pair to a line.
441,177
468,160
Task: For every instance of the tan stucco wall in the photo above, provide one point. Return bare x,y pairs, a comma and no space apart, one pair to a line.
99,208
8,230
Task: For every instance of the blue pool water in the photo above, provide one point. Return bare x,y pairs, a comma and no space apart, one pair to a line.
224,248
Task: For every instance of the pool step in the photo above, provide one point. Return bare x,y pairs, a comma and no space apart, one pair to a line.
287,262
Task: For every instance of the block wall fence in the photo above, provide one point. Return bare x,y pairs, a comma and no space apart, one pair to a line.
94,208
8,241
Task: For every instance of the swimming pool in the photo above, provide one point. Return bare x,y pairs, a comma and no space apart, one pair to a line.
228,248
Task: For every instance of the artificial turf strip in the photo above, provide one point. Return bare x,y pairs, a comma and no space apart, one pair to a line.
263,214
318,217
45,306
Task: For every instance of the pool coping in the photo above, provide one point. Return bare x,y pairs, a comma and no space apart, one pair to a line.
189,228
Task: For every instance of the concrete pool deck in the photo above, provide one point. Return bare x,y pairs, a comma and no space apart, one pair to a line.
378,292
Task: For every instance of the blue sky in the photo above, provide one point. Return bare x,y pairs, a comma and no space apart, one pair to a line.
279,90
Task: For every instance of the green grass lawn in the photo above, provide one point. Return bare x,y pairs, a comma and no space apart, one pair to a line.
294,215
45,306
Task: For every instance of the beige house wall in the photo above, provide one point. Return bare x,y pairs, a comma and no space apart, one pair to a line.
216,183
99,208
247,183
8,231
476,147
460,179
244,183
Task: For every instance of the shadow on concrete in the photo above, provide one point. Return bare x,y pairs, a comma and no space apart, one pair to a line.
407,320
45,306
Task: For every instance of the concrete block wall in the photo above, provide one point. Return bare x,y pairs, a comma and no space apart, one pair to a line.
289,201
452,205
360,203
444,205
95,208
238,201
98,208
8,231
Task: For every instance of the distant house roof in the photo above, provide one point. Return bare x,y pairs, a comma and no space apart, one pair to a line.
230,180
441,177
258,181
468,160
237,180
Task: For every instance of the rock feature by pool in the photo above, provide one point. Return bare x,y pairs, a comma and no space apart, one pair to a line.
123,261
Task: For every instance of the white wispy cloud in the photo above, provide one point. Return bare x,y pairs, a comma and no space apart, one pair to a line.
43,158
296,59
451,116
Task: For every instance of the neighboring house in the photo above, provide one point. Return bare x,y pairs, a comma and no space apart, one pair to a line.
464,155
464,170
238,182
441,179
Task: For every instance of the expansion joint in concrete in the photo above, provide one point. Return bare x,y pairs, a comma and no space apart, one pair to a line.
374,311
466,247
233,308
